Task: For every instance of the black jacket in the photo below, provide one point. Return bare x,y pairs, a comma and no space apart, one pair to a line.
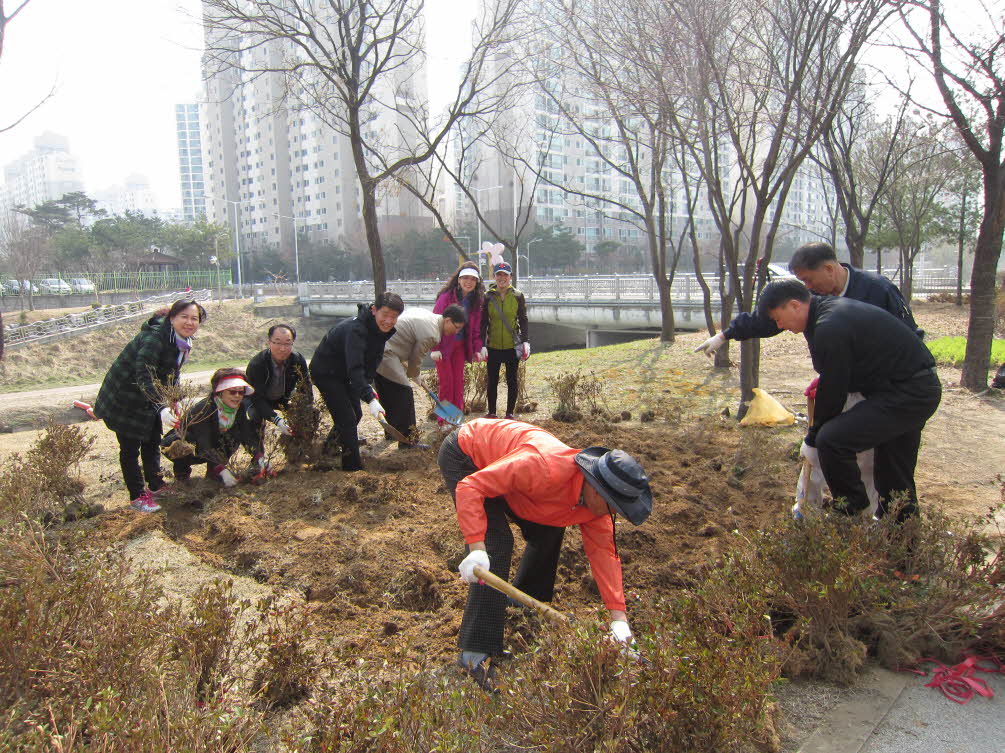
867,287
857,347
259,373
211,444
350,353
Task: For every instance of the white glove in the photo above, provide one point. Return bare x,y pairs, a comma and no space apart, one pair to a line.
284,427
711,345
621,632
475,558
810,453
485,353
227,478
169,419
526,351
263,464
376,409
436,355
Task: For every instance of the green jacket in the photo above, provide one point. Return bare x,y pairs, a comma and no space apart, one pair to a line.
495,335
127,401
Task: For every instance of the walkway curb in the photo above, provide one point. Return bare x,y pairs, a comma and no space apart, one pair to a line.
851,723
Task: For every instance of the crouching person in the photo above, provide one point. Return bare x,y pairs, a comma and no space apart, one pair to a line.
216,426
274,374
505,470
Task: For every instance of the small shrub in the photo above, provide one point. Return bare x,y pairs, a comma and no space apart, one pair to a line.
475,387
565,387
305,418
287,666
38,484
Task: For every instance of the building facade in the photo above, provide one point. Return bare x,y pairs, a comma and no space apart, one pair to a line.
45,173
188,130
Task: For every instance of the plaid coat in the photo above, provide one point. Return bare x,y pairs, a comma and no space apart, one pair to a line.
126,400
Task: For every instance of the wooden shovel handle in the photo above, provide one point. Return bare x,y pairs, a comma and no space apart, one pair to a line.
515,593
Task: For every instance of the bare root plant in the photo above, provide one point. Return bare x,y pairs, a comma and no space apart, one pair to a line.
475,387
523,403
304,417
180,397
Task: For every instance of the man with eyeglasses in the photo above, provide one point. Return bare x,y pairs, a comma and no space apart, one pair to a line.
275,373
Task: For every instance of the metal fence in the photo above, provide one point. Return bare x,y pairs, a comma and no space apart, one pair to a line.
90,283
578,289
47,329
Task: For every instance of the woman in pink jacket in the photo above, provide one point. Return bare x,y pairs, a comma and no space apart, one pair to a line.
464,288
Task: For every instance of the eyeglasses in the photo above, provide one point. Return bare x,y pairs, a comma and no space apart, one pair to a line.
234,391
280,344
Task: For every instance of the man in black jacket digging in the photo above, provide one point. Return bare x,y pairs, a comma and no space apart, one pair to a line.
343,367
817,266
857,347
274,374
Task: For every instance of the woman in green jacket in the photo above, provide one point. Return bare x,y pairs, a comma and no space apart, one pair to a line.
128,402
505,336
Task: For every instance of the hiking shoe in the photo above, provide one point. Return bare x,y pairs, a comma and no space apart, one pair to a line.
491,415
510,416
484,674
145,502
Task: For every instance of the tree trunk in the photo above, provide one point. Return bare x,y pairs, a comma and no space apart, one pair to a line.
666,309
879,260
960,233
980,330
372,230
856,249
750,359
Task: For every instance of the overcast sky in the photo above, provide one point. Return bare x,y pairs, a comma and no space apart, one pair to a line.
120,66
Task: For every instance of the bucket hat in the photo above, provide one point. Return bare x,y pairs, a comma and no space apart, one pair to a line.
619,479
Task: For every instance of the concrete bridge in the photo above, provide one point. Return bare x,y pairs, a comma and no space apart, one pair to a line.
590,310
571,311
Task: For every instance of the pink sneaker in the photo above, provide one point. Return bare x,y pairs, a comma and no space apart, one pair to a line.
165,489
145,502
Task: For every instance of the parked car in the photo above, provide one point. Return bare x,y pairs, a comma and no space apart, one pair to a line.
778,272
81,285
55,286
11,287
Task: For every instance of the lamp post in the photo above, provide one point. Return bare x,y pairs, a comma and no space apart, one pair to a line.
237,237
296,245
477,203
529,244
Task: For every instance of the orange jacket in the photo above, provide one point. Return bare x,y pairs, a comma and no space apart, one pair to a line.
538,476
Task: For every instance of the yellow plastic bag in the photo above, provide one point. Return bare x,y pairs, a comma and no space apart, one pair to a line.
764,410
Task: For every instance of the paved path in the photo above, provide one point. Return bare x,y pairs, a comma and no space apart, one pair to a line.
20,411
896,713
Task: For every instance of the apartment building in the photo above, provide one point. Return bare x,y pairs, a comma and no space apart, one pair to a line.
45,173
190,165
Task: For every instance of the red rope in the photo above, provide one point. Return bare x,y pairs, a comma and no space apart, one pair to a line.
959,683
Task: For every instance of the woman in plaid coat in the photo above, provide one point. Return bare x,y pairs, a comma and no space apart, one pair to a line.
127,400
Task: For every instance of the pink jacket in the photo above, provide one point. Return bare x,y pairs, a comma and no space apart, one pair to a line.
471,339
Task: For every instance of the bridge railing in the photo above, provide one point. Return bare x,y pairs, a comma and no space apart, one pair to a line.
574,289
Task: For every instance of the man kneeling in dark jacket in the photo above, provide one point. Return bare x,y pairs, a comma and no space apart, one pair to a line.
274,374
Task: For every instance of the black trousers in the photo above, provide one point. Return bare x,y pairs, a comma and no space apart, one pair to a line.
890,422
346,413
496,359
132,451
399,404
485,612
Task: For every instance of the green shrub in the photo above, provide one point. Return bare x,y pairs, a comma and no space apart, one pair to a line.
949,351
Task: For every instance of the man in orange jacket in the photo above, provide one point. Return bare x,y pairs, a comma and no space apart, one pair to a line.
499,469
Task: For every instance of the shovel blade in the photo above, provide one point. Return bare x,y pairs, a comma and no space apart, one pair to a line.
449,412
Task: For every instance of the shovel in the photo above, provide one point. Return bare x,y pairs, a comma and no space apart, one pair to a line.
392,431
517,595
445,410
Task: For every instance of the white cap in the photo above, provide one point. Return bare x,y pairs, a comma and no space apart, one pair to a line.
469,272
232,382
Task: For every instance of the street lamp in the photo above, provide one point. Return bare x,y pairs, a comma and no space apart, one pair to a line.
477,203
237,237
296,245
529,244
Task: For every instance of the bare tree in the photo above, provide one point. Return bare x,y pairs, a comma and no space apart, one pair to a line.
859,154
24,248
773,77
967,68
960,214
357,65
5,19
921,170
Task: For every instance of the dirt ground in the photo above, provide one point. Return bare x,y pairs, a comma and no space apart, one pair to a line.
375,552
